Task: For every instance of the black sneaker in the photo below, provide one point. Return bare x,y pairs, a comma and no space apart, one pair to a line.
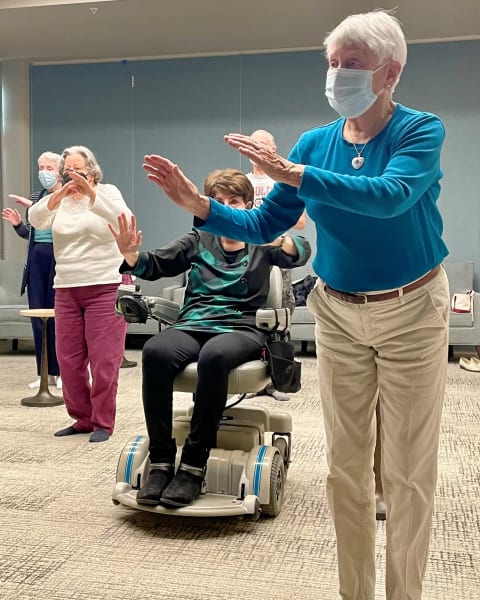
159,477
128,364
184,488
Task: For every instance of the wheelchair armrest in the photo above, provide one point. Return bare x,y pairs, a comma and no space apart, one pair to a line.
136,308
164,310
125,289
274,320
170,290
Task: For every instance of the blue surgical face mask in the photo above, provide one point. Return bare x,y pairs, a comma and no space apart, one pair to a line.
349,91
48,179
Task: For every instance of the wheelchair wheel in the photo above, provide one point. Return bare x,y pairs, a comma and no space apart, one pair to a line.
282,445
131,459
277,484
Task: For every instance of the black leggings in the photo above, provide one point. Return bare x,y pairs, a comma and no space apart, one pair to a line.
164,356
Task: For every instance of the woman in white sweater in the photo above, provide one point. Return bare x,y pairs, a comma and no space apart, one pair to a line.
87,260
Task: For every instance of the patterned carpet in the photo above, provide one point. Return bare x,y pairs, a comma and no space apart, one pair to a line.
63,539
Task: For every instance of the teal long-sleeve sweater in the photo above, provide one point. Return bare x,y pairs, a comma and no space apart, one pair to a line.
378,227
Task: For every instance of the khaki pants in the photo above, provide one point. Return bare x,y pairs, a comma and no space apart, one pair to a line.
398,349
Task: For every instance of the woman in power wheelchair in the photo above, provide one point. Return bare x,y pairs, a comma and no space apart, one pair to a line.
228,281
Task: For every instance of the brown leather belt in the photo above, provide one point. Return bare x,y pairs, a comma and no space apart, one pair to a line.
364,298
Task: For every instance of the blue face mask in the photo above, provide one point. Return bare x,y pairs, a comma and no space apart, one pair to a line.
48,179
349,91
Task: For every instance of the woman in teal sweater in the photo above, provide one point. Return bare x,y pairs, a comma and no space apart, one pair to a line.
370,183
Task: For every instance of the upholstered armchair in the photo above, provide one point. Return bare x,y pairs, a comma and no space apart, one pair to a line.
464,327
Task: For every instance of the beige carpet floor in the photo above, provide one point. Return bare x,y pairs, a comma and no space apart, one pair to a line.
63,539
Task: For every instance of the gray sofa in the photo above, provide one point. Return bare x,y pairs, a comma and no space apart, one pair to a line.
12,325
464,328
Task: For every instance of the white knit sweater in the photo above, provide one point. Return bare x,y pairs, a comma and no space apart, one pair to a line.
85,251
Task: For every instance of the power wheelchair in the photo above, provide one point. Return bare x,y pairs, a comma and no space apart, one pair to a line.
246,471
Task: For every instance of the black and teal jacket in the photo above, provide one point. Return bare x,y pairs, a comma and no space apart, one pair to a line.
224,289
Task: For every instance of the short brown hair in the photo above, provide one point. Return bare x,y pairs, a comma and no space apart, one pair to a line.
229,181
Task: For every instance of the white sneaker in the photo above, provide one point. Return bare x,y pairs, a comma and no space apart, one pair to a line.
58,382
34,384
380,508
52,380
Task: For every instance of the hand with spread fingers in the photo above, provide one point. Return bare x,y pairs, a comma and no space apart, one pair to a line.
176,185
129,240
12,216
275,166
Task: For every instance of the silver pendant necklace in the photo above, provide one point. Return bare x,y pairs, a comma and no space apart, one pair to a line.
358,161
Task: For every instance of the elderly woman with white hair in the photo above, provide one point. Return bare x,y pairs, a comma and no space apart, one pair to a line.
39,269
370,183
89,334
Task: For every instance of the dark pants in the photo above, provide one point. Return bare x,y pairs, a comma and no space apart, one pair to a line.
167,354
41,294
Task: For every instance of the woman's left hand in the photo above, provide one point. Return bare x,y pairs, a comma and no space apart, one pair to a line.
275,166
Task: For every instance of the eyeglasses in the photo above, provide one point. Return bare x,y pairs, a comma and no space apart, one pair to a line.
76,171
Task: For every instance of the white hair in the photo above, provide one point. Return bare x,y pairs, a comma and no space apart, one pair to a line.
264,136
378,30
89,156
53,156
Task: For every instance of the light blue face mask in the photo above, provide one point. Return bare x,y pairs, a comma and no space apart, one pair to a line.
47,179
349,91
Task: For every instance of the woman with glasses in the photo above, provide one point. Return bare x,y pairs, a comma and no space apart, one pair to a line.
89,334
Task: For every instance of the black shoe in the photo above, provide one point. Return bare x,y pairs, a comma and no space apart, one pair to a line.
127,364
159,477
184,488
99,435
70,430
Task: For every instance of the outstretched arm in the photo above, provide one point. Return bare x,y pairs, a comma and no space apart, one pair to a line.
176,185
21,200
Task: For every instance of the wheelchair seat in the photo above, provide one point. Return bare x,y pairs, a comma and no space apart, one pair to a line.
249,377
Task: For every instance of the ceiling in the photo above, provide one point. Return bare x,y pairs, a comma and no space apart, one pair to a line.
76,30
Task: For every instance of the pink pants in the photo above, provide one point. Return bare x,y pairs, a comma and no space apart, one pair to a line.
89,332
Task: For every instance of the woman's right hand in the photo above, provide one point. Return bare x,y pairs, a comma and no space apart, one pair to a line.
176,185
12,216
128,239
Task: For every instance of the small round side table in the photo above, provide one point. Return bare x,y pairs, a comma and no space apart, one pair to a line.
43,397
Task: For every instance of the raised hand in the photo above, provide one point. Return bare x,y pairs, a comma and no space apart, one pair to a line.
21,200
129,240
278,168
12,216
78,187
176,185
